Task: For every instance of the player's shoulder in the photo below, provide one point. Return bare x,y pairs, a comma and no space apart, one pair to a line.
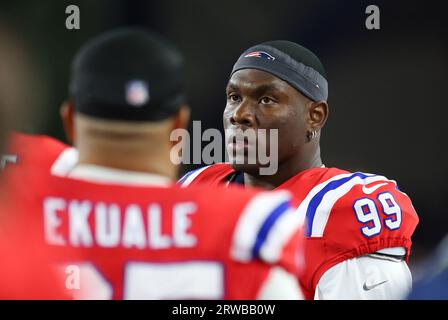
336,184
35,138
333,192
319,183
265,226
40,152
22,142
214,174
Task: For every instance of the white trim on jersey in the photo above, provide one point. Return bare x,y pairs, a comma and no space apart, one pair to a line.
107,175
264,226
190,176
279,235
66,161
319,219
301,210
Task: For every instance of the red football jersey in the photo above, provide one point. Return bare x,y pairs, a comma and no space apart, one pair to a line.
115,241
38,153
163,242
26,270
346,215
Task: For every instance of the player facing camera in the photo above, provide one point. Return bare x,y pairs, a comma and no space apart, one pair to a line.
279,85
282,85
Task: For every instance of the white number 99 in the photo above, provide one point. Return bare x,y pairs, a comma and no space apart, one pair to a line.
367,213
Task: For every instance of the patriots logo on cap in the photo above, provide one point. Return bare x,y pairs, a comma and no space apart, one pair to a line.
137,93
259,54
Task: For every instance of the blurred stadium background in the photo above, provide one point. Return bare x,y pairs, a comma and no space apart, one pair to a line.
387,86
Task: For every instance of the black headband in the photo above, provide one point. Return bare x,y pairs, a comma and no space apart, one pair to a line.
304,78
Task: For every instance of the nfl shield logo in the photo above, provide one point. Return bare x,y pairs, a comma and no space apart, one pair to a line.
137,93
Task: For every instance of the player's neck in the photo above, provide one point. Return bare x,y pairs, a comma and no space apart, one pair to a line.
286,170
146,164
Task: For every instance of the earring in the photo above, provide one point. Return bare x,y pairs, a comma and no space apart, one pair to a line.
312,134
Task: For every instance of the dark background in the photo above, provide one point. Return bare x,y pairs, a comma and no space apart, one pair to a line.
387,87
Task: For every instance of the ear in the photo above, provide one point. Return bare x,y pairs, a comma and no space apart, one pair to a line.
318,114
182,118
67,116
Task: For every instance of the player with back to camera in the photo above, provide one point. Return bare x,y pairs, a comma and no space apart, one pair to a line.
358,225
140,236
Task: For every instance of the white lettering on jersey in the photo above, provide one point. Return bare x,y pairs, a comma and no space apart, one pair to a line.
105,230
157,239
52,221
134,229
182,223
107,221
79,212
316,208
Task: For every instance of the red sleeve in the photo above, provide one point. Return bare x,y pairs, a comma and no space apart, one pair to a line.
364,214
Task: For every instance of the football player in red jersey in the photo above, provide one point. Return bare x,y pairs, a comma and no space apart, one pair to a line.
116,218
358,225
158,241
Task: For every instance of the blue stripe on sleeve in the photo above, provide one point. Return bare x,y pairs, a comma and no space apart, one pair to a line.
267,225
185,177
317,199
